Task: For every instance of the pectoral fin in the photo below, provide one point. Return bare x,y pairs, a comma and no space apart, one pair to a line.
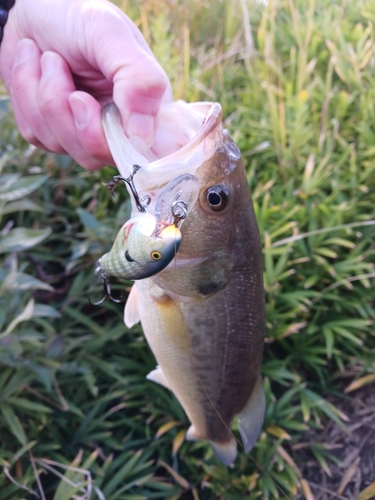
250,420
131,313
158,376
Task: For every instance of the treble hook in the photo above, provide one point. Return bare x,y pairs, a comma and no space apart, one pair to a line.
142,203
107,294
179,211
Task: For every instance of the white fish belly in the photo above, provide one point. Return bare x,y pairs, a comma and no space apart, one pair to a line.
167,335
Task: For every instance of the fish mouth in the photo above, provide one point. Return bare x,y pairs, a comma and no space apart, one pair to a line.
186,159
212,118
204,134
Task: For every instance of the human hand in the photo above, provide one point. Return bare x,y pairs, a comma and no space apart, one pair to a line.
62,61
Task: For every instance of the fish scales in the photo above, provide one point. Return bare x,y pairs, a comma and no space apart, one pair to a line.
225,326
204,315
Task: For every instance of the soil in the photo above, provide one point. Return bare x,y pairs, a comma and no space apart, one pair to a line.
353,448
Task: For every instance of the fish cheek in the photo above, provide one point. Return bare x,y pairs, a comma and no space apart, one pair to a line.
212,276
197,281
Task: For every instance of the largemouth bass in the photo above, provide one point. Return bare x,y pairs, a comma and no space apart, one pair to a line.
203,315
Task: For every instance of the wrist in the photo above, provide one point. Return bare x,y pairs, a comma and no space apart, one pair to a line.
5,6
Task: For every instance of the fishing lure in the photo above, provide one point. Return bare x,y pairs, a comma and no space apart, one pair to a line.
148,242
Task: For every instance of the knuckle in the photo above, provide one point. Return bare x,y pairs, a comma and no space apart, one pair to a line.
92,142
20,83
47,103
88,163
28,135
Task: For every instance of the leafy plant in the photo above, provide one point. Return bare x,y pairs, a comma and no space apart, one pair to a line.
296,81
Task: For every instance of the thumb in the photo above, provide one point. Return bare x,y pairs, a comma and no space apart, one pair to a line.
139,89
139,82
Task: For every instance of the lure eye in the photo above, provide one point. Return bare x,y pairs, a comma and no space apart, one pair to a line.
156,255
216,197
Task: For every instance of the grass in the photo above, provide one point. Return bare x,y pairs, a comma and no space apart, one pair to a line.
296,81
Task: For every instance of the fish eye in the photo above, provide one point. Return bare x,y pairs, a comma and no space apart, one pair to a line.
155,255
216,197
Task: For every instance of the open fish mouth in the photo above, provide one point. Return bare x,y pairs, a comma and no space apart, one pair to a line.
198,145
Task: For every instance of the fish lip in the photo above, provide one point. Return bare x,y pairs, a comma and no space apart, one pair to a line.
211,120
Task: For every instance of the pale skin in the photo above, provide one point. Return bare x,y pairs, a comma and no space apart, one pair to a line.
63,60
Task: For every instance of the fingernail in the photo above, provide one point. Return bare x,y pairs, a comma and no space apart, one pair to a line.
48,63
142,126
24,52
80,111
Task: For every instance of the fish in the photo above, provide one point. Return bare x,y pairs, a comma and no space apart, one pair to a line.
203,315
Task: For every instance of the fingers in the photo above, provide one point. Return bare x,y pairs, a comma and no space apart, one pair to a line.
88,126
140,84
55,88
40,90
25,80
138,91
57,96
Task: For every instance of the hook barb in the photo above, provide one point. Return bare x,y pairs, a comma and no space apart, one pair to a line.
107,293
141,203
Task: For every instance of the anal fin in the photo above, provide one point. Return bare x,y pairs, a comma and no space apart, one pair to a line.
250,419
225,452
